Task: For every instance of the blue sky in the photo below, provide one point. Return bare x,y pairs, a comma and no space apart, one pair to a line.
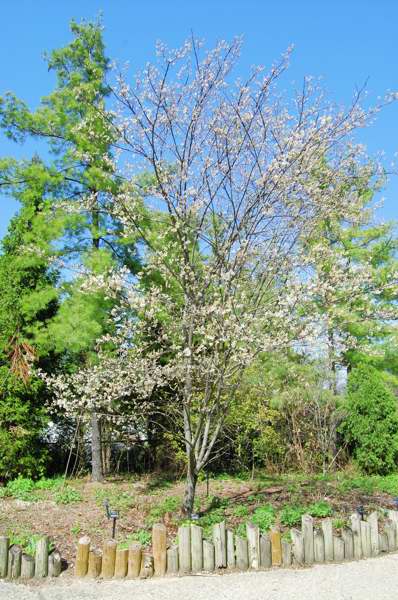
346,43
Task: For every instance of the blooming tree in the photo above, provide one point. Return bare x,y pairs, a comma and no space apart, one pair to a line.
235,189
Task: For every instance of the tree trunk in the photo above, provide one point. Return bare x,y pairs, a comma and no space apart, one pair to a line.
190,488
96,458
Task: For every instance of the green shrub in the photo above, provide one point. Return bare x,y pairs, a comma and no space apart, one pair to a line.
67,495
21,488
22,423
264,517
240,511
320,509
291,515
371,422
143,536
49,484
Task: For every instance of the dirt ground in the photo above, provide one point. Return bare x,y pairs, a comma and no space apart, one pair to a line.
152,499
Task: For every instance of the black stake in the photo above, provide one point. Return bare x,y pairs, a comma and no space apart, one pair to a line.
111,514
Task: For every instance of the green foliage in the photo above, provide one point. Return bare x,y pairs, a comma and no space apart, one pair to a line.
21,488
143,536
371,423
120,501
264,517
67,495
169,504
339,523
320,509
241,510
291,515
22,423
49,484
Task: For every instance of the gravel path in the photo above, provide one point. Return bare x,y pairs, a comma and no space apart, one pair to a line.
373,579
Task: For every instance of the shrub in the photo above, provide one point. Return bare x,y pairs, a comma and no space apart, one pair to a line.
241,511
371,423
264,517
67,495
320,509
21,488
291,515
22,424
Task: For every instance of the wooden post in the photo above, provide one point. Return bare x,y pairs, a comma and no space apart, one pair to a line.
253,544
54,564
121,563
393,516
383,542
365,539
327,530
286,553
146,565
348,540
41,558
27,566
208,556
276,547
196,548
134,560
14,562
159,548
265,551
83,548
338,549
242,554
319,546
4,547
390,530
220,545
184,549
94,564
307,528
172,560
356,535
373,521
297,546
108,559
231,559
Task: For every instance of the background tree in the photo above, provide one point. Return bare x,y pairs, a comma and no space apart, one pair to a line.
28,301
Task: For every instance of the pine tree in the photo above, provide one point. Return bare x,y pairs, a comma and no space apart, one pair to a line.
75,225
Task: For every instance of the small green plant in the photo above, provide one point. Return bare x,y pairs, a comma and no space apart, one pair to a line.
241,530
169,504
264,517
143,536
67,495
320,509
241,510
339,523
76,529
291,515
21,488
28,542
49,484
286,535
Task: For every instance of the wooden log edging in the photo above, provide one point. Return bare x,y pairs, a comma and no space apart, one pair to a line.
15,564
363,538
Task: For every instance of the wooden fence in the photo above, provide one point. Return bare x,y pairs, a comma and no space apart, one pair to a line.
194,554
15,564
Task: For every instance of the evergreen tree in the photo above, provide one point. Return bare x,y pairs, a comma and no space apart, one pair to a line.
75,225
28,301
